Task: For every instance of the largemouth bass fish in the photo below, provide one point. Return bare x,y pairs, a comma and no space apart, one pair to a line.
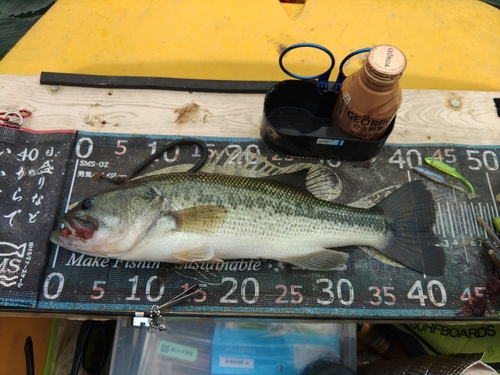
202,217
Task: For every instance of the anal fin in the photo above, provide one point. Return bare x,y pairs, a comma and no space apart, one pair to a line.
203,253
321,260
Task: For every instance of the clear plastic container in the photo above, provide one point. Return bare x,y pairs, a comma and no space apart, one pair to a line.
231,346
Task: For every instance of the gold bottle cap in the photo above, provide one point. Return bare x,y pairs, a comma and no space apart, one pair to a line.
385,64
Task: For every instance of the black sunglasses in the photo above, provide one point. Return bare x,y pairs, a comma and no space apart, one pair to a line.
91,348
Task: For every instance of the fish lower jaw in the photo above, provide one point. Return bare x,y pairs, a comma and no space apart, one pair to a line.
78,233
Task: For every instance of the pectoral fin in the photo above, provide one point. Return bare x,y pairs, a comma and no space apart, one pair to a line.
200,219
321,260
203,253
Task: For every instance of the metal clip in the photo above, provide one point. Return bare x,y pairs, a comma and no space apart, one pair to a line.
154,320
19,115
139,320
6,118
187,294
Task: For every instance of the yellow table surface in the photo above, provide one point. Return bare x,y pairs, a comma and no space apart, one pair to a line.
449,44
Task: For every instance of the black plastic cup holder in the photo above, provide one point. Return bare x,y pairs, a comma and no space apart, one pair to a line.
296,122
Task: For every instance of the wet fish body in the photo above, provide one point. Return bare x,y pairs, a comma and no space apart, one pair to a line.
200,217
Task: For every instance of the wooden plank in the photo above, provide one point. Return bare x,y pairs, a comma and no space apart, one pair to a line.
426,116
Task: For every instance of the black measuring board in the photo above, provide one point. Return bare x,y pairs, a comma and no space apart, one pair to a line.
368,287
33,171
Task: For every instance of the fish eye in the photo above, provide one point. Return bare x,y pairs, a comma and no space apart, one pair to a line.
87,203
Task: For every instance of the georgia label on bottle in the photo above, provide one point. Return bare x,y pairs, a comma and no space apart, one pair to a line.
368,124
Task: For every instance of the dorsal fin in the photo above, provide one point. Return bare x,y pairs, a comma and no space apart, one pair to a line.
297,179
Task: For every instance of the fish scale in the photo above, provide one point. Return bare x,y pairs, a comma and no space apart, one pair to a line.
273,203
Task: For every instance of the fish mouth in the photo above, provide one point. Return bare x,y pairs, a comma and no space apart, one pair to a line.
81,227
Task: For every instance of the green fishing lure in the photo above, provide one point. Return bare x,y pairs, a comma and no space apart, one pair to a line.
496,223
446,168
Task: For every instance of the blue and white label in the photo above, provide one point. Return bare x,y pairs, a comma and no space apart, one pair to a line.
330,142
247,363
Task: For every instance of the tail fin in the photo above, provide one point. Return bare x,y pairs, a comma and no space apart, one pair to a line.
411,215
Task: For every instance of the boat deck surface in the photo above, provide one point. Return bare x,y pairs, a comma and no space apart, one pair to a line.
449,45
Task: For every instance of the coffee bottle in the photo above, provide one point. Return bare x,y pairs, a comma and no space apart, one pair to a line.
369,99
